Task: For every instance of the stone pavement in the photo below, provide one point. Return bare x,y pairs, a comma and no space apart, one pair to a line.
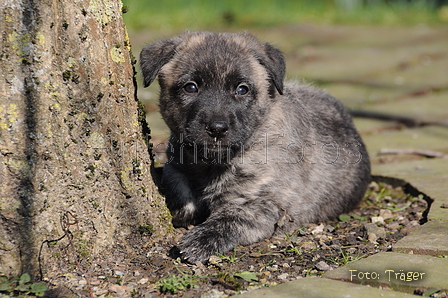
402,72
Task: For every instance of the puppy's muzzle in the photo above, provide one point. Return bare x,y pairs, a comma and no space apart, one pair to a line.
217,129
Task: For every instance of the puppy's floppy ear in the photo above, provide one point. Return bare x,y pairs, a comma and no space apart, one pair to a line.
155,55
270,57
275,64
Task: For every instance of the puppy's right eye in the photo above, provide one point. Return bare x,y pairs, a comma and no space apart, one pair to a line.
191,87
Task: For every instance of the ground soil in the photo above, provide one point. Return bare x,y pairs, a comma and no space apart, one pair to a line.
385,215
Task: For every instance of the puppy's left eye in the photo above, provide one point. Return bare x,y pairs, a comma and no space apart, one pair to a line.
242,90
191,87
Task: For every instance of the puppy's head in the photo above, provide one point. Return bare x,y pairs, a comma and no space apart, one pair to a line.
215,87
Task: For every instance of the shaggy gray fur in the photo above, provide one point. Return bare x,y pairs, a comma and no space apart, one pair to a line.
248,157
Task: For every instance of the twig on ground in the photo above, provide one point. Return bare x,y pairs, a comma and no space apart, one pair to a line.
421,152
406,121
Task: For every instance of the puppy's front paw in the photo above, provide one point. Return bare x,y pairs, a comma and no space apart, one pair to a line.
200,243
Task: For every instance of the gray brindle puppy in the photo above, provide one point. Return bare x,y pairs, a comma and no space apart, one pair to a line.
249,156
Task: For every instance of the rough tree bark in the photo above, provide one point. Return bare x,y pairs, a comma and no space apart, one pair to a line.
75,182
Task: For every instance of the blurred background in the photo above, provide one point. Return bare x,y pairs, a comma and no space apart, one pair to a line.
386,56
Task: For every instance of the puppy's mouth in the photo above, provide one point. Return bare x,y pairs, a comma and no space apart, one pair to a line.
210,144
217,146
207,141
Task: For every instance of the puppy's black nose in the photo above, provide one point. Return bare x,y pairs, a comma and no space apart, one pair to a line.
217,129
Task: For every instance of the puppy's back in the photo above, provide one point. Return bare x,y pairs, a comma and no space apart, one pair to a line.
324,159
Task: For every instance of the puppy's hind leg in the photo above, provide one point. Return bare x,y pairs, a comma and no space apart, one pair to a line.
227,227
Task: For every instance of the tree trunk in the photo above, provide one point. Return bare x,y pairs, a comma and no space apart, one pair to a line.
75,182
